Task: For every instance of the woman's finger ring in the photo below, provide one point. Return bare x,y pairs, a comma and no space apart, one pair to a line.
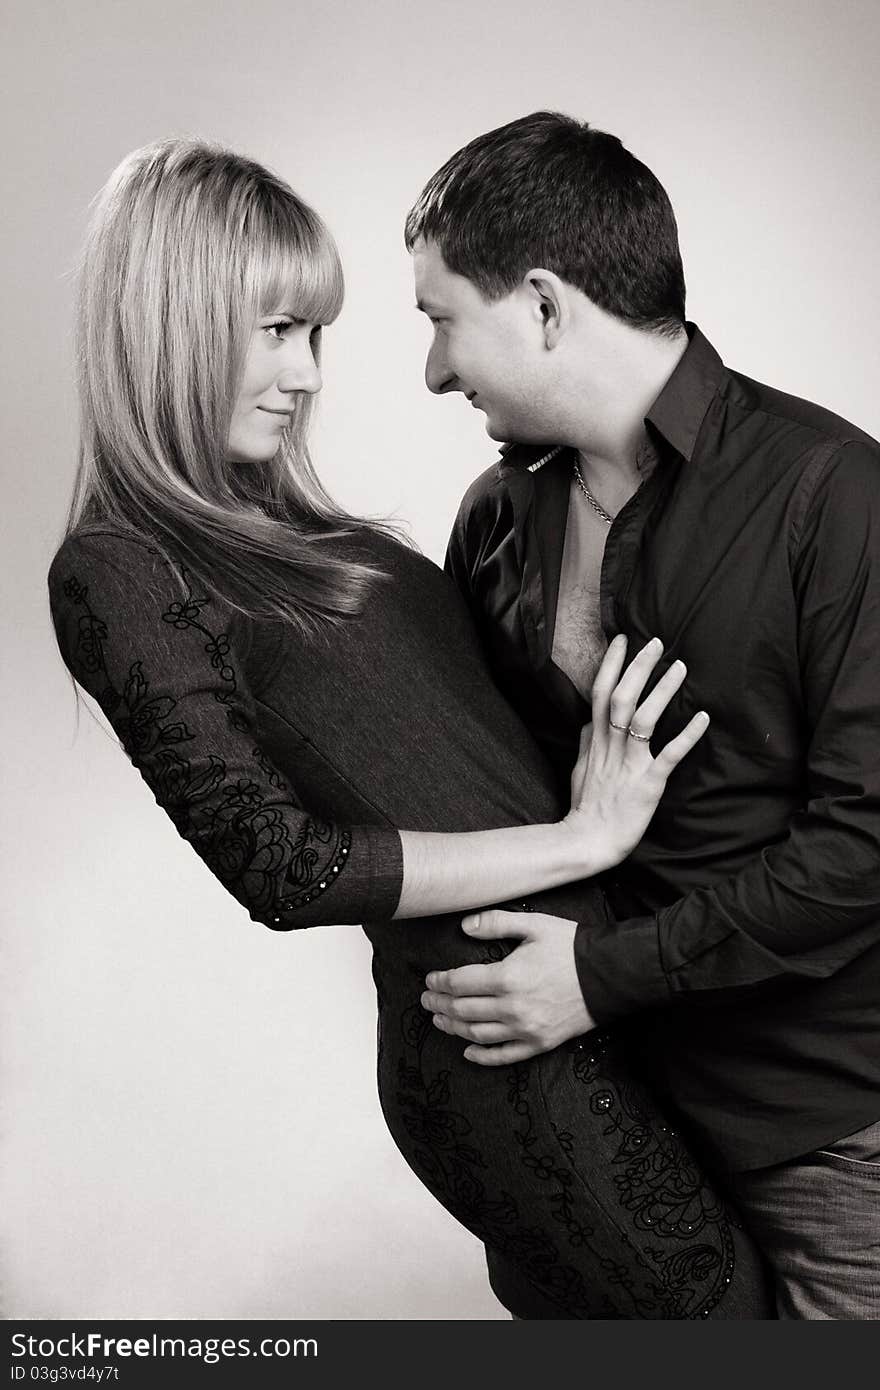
642,738
624,728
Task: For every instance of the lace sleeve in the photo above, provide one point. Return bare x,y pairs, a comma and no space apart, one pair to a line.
158,656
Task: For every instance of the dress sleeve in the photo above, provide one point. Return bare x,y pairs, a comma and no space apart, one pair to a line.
809,905
160,658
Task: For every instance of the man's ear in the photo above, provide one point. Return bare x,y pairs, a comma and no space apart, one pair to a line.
549,301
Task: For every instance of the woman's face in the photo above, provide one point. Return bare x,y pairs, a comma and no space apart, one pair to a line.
280,363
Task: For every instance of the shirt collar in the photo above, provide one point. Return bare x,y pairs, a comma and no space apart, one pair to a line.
529,458
680,409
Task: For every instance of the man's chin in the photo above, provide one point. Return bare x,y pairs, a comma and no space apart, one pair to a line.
496,431
518,435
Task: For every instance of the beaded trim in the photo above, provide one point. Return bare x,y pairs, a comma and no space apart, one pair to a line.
315,890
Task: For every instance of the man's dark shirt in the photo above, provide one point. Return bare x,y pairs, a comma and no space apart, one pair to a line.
748,939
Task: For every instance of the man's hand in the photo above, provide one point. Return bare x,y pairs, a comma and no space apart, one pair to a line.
526,1004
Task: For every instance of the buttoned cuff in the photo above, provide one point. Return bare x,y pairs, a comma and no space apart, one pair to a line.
618,967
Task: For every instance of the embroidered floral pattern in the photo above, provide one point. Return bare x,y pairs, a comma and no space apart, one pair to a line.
663,1191
244,837
653,1242
449,1162
270,773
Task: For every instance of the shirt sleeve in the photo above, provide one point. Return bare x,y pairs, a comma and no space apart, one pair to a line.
810,904
463,552
160,657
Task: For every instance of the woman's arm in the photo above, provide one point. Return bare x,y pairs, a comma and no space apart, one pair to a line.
157,656
616,786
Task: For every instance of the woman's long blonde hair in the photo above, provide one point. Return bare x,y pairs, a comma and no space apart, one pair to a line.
188,246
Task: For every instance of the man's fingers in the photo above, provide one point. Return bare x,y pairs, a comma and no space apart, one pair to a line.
497,923
501,1055
671,755
476,1009
467,979
485,1033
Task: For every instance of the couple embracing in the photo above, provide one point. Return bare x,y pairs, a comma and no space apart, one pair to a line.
643,1068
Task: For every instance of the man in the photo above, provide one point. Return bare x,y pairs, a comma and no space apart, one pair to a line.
649,490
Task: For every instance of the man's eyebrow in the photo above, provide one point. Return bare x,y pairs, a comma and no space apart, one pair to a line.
426,306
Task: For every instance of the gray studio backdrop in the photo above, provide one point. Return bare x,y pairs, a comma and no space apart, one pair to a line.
190,1125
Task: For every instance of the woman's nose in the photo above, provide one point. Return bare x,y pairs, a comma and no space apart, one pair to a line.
300,372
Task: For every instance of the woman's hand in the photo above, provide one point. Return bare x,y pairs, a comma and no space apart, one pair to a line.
616,783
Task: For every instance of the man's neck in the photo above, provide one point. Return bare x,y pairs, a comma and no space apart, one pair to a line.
612,440
612,483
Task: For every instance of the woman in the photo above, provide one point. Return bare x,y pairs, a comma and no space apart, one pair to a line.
293,684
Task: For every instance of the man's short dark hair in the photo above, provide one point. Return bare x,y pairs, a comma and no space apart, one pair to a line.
549,191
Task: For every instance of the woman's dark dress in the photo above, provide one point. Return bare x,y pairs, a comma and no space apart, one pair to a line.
286,762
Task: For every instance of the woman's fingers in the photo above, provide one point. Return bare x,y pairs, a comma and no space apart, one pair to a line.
606,679
579,771
625,695
673,752
616,702
586,739
644,720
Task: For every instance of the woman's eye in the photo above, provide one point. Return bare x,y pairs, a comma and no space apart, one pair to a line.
278,330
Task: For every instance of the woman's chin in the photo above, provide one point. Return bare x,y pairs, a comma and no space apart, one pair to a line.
262,454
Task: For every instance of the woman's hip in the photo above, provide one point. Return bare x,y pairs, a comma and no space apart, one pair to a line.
587,1197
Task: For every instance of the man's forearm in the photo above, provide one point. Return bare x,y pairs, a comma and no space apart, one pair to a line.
751,932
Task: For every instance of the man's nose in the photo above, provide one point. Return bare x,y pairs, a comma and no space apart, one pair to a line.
438,376
300,372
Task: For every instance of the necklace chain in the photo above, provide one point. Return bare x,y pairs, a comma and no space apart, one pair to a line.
597,506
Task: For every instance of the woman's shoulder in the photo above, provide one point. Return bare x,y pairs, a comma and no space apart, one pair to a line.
119,600
104,570
118,562
97,545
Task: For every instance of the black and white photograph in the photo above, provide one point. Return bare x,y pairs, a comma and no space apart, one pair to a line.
441,813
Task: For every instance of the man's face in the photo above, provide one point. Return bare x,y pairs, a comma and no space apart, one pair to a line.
487,350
